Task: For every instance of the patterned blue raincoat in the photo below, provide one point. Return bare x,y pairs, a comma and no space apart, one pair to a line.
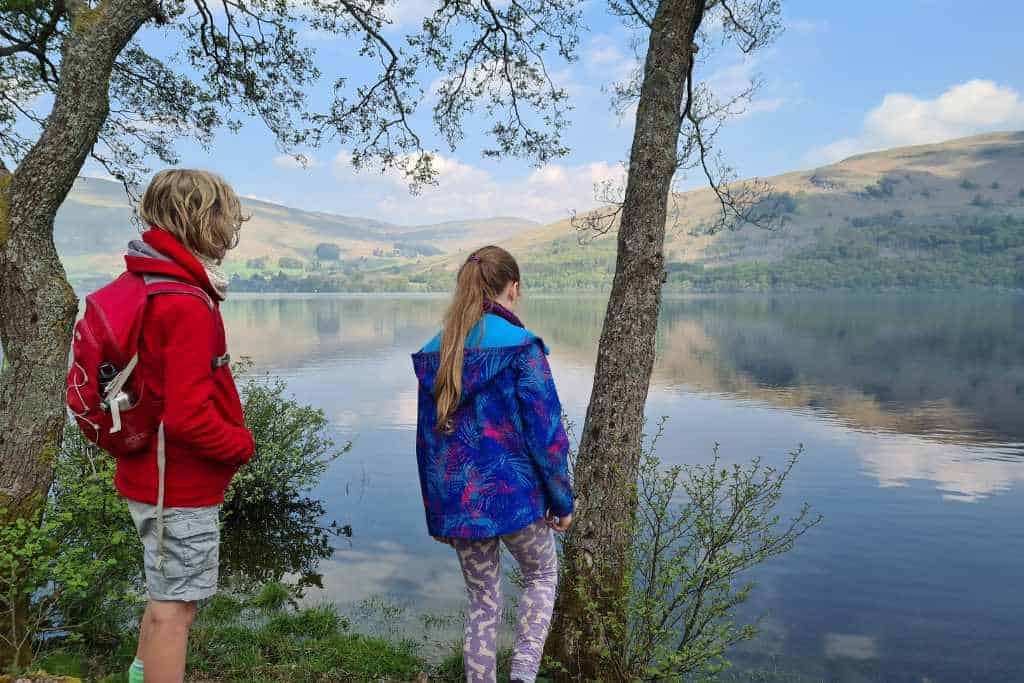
505,464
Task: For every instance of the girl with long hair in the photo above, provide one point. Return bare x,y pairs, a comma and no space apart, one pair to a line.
492,455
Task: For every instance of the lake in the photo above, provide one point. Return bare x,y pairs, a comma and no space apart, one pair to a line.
910,408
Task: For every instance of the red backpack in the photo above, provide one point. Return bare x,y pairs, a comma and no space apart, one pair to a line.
105,388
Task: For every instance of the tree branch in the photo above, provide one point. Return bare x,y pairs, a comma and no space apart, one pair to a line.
739,26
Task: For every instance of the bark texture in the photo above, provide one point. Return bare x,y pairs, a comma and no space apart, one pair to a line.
589,618
37,305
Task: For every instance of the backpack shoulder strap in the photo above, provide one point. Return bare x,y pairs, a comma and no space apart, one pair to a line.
163,284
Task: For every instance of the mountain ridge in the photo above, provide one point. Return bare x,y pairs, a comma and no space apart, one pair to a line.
946,214
96,221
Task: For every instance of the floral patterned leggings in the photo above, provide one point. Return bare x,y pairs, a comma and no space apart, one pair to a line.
534,550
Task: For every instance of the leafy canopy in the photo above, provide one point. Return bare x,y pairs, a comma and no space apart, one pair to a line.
201,66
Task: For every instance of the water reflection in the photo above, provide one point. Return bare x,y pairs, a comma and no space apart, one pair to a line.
945,370
939,367
283,540
909,407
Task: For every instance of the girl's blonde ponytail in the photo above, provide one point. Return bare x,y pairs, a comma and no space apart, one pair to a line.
483,276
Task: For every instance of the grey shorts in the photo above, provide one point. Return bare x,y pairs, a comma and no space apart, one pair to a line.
191,551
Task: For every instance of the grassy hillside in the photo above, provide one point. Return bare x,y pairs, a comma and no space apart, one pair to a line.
948,215
95,223
936,216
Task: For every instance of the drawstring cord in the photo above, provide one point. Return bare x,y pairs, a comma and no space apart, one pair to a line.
161,464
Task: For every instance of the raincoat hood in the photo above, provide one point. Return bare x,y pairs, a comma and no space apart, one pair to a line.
160,253
492,346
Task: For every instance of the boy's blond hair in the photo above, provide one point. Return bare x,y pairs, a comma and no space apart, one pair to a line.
197,207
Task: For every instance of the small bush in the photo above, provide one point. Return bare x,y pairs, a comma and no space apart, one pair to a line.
315,622
272,596
292,449
883,188
697,530
289,263
222,607
80,569
327,252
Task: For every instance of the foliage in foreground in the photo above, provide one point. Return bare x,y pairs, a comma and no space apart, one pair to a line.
697,532
81,569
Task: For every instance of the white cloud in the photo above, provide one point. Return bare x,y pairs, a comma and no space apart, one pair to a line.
731,81
290,161
467,191
969,108
409,13
959,473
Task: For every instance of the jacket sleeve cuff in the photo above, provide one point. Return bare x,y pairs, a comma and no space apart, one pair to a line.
562,508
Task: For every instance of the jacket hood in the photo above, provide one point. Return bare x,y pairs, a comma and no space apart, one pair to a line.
160,253
492,346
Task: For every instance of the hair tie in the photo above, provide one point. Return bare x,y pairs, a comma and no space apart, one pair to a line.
474,258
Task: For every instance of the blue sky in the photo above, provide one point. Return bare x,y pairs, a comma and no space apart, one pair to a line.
844,77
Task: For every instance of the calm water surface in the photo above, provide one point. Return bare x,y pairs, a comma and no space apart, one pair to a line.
911,410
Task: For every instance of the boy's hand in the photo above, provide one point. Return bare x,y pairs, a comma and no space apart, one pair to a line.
559,524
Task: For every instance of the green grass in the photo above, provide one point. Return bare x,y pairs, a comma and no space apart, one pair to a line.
451,670
259,640
274,644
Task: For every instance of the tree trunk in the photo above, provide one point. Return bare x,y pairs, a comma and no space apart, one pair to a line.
590,626
37,305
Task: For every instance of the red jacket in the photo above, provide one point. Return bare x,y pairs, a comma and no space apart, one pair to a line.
206,437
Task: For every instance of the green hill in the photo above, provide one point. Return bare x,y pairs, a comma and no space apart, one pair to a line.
95,224
941,216
946,215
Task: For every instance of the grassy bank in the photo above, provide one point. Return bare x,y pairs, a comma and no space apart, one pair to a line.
261,639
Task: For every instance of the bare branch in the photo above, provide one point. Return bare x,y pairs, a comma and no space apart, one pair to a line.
754,23
640,16
601,221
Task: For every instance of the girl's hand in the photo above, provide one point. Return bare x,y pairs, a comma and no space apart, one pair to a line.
559,524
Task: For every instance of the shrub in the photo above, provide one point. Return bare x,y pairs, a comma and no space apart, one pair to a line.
327,252
80,569
698,529
883,188
289,263
292,448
